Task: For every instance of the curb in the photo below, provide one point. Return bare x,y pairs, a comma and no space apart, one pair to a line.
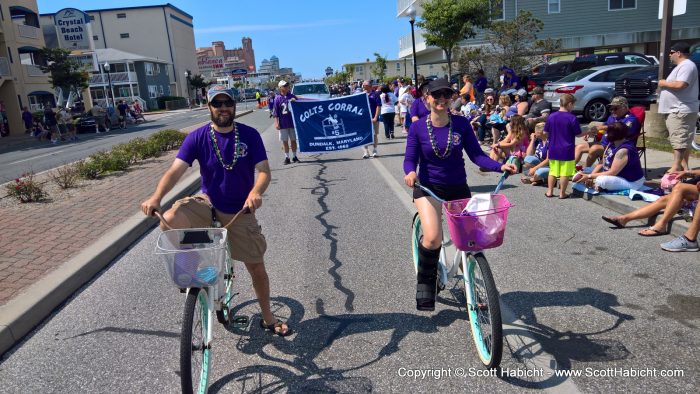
21,314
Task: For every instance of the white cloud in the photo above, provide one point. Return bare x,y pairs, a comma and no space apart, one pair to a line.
268,27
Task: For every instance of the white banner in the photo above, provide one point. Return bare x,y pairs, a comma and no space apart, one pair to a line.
678,8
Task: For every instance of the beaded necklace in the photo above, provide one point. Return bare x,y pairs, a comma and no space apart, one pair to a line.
236,145
433,142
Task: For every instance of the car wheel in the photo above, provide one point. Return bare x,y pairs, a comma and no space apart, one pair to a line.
596,110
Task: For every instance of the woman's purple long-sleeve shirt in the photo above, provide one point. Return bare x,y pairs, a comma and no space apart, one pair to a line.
449,171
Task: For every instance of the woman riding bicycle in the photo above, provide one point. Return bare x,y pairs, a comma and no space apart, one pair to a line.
441,169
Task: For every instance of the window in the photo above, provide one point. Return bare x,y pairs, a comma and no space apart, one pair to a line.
152,91
498,10
95,38
124,35
121,16
553,6
131,67
92,17
398,66
160,90
615,5
359,69
149,68
636,59
9,54
157,69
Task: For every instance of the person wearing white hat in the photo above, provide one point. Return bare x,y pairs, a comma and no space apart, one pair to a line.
284,122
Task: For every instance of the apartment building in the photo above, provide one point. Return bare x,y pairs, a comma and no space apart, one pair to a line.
161,32
398,67
582,26
21,81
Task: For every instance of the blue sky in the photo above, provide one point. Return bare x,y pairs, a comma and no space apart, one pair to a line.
308,35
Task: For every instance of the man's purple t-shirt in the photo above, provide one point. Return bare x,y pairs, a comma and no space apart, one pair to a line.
418,108
450,171
374,102
227,189
562,127
630,120
282,111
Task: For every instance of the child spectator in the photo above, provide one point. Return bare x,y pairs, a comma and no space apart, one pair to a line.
515,143
536,162
562,127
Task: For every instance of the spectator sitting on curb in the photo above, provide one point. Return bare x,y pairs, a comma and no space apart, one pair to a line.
536,162
682,196
515,143
539,108
520,106
621,169
619,112
688,242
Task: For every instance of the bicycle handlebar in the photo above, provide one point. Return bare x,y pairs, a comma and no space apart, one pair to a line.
233,220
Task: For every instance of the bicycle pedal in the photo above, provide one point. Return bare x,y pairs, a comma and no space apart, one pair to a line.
240,322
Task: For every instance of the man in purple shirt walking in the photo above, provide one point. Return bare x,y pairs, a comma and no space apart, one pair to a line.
229,154
283,120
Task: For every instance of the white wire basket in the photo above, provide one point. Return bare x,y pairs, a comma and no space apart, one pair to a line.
193,257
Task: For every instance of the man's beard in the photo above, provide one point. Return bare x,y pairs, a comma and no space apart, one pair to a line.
221,120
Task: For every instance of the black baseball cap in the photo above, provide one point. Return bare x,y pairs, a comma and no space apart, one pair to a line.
439,84
682,47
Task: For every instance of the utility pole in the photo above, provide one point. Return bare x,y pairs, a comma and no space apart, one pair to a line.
666,29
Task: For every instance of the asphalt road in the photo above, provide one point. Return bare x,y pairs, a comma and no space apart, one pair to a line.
577,296
37,157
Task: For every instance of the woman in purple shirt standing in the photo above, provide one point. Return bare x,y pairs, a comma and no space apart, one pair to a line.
434,157
419,108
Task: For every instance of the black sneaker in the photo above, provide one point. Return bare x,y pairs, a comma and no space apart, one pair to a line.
286,160
295,159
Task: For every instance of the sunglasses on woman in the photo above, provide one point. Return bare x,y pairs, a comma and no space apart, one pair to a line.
225,103
442,94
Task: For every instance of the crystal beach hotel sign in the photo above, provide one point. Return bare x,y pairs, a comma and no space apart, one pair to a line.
72,29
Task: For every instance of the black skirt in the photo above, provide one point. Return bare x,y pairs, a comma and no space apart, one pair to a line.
447,193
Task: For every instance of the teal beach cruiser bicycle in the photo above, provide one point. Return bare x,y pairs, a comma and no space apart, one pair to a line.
470,232
198,263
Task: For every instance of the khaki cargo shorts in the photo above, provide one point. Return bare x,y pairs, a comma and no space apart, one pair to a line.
287,134
681,129
246,240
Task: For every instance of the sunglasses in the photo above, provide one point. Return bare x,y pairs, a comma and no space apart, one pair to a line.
442,94
225,103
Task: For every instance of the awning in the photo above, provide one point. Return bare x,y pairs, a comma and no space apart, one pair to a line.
23,9
40,93
28,48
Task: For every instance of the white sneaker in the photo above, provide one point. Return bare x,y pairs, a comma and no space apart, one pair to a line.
365,155
374,153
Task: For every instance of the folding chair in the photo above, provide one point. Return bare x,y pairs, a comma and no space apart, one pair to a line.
639,112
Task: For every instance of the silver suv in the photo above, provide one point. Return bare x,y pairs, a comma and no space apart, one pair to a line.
311,90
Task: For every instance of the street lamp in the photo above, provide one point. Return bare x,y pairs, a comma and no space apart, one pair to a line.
187,79
411,13
109,78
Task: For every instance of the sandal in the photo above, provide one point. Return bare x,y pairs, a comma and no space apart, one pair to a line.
537,183
614,222
564,197
652,232
549,195
276,328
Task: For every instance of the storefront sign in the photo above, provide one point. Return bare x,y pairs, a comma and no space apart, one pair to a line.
72,29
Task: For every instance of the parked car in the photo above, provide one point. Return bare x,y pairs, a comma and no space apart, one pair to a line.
86,122
311,90
249,93
592,87
639,86
588,61
547,73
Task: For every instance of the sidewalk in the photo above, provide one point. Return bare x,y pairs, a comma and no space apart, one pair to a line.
48,251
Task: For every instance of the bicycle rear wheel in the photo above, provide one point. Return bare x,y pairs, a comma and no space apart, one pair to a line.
485,313
416,234
194,351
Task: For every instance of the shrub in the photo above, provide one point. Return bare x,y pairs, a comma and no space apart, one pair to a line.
168,139
130,150
65,177
110,161
26,189
87,169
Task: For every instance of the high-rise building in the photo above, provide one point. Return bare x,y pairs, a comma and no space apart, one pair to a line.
22,83
163,32
245,54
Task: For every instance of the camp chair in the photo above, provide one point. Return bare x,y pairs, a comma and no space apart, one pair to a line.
639,112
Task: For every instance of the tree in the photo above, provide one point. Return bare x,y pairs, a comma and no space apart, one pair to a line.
379,67
349,69
447,22
197,83
64,72
512,43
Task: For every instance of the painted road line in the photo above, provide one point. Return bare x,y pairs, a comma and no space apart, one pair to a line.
518,339
36,157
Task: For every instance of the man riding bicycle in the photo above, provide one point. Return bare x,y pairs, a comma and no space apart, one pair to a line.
434,146
228,153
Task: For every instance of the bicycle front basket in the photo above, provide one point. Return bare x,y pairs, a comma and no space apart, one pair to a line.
474,231
193,257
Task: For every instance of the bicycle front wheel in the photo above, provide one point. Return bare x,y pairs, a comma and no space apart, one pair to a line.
416,234
194,350
485,311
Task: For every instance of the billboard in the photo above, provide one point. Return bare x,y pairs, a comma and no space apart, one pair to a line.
210,63
72,29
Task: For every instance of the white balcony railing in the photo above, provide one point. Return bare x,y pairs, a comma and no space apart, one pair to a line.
101,79
4,67
34,71
27,31
406,47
